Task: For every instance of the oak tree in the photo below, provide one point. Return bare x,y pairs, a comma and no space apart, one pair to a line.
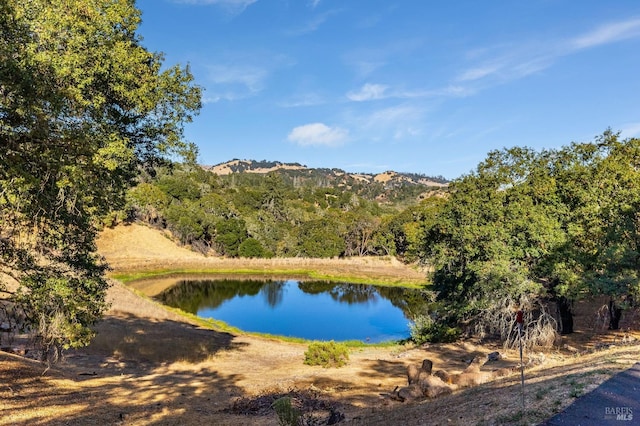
83,104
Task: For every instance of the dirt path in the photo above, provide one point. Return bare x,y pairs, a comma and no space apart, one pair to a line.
150,366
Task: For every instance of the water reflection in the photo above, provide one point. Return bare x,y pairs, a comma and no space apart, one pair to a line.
309,309
273,292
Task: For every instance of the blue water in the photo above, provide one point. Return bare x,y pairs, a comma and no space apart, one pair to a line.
322,312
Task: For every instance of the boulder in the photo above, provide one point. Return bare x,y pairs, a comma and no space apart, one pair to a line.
443,375
466,379
427,365
414,370
433,387
410,393
494,356
474,366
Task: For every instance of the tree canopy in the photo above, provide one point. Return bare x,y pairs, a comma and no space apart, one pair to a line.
529,226
83,105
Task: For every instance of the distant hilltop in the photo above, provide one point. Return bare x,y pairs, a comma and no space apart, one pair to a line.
388,178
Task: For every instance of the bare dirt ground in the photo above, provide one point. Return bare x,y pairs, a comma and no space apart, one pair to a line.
151,366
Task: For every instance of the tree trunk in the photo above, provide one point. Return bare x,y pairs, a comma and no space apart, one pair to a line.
566,316
615,314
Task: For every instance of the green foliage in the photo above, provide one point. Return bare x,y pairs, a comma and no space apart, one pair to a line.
230,234
251,248
287,414
186,221
283,211
531,225
321,238
425,329
327,354
84,106
178,187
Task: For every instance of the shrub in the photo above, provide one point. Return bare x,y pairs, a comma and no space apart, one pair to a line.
287,414
425,329
251,248
327,354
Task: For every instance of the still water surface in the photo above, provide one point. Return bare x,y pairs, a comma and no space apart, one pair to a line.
311,310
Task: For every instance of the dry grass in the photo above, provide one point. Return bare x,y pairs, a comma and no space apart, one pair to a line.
150,366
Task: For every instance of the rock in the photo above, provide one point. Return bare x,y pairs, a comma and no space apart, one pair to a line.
494,356
502,372
413,371
467,379
433,387
410,393
335,417
443,375
474,366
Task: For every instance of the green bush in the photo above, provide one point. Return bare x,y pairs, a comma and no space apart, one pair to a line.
327,354
287,414
251,248
425,329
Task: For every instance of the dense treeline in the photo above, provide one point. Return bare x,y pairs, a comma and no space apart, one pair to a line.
293,214
528,229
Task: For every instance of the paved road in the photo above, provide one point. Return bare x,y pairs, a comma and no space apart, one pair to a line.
615,402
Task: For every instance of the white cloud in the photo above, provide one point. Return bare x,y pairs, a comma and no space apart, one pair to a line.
388,124
232,82
249,76
392,115
455,91
317,134
314,3
609,33
479,72
364,68
231,3
303,100
233,6
312,25
513,61
368,92
630,130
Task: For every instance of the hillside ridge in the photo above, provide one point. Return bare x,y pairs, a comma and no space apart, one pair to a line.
388,178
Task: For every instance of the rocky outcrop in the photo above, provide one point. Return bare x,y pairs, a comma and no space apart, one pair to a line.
423,382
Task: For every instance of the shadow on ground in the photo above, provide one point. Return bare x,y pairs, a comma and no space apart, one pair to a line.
126,336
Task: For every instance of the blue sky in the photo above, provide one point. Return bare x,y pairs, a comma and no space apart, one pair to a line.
412,86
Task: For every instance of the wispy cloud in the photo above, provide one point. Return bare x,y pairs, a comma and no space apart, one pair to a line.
234,6
513,61
368,92
303,100
232,82
630,130
314,3
608,33
318,134
390,123
479,72
364,68
365,61
312,25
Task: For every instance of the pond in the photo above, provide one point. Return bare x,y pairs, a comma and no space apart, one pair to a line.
314,310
